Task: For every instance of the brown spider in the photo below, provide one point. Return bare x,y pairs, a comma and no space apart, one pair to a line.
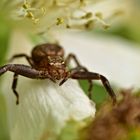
47,61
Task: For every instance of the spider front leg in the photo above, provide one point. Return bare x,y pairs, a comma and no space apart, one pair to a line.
95,76
14,85
25,71
79,67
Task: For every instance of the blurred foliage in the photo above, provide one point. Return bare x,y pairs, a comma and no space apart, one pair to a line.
4,41
119,122
75,130
70,131
4,133
99,94
4,44
134,134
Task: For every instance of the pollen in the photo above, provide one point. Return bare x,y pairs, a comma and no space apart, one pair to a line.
29,11
59,21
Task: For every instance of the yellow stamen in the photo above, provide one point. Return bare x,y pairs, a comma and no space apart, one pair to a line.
59,21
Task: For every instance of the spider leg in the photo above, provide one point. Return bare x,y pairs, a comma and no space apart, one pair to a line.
95,76
90,88
70,57
14,85
25,71
29,59
79,67
65,79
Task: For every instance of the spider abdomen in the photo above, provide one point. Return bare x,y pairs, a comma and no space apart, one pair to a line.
44,50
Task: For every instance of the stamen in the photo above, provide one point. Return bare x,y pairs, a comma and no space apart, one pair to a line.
28,11
59,21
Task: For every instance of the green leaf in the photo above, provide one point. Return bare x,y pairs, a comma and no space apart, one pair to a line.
4,132
75,130
99,95
4,40
134,134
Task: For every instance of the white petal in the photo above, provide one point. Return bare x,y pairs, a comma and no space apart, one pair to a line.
113,57
45,106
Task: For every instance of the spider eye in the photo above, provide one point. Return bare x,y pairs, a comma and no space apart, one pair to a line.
51,64
57,64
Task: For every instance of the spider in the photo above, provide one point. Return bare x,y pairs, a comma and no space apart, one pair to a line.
47,62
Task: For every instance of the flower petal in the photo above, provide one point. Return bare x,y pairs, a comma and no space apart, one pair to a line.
115,58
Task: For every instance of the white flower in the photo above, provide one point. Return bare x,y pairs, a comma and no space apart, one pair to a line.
45,108
46,16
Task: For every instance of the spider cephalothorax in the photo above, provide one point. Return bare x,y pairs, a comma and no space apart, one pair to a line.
47,61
